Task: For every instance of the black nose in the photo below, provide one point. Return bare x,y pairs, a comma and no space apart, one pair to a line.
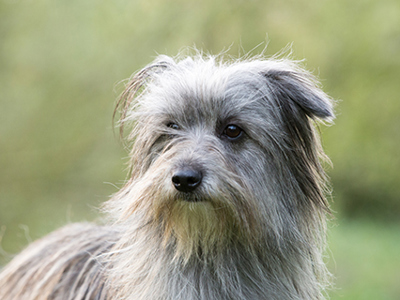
187,180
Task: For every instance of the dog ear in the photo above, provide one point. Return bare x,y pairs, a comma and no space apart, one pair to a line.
137,83
301,88
299,101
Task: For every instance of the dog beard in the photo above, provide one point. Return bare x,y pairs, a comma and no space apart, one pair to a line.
198,224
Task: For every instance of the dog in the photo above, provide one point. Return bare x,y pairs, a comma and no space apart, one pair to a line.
226,198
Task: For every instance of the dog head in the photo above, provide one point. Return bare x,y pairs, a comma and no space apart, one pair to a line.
224,152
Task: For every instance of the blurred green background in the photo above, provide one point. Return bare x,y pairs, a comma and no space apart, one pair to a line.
60,62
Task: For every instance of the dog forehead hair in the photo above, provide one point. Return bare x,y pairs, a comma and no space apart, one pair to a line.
203,92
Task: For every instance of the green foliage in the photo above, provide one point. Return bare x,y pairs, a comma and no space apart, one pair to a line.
61,60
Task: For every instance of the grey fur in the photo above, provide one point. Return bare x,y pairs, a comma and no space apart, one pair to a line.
254,228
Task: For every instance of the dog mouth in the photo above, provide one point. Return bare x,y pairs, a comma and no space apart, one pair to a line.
191,198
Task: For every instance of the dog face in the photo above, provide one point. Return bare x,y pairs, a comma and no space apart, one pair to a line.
224,153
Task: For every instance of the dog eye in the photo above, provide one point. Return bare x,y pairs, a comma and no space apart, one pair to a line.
233,132
173,126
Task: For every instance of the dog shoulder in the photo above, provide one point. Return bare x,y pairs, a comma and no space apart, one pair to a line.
65,263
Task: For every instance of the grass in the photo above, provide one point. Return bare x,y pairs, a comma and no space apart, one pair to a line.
366,260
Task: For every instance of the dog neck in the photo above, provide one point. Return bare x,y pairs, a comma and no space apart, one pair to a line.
144,267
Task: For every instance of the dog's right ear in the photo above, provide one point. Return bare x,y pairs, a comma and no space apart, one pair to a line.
136,85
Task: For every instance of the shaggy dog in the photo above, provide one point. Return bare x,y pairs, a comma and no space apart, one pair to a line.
225,199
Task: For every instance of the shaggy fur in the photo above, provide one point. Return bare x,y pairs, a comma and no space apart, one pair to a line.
225,198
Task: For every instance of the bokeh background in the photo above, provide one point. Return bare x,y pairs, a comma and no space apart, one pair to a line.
60,64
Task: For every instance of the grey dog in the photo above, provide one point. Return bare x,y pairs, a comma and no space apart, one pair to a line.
226,198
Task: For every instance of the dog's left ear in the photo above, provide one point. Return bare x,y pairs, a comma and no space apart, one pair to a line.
299,100
301,88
